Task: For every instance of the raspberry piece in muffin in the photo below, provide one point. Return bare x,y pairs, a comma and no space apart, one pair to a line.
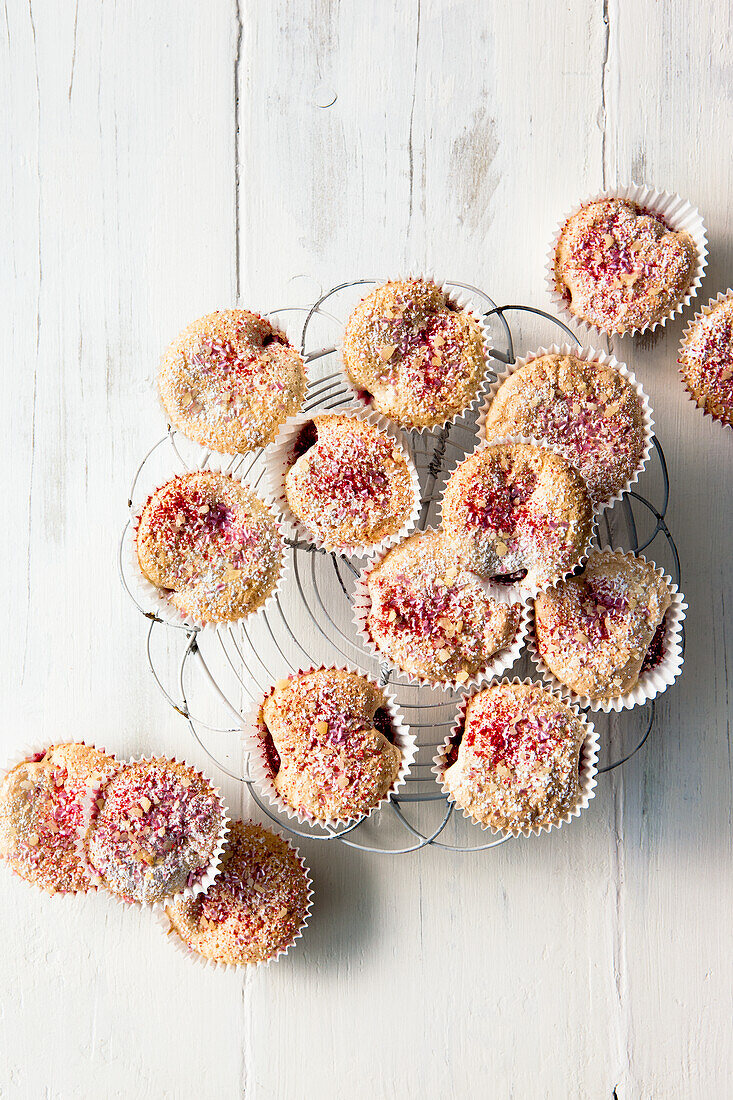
352,486
255,907
42,806
706,360
518,758
230,380
419,355
155,830
328,734
589,411
212,543
432,617
517,513
595,631
621,267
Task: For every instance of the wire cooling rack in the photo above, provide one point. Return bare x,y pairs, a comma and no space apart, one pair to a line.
211,676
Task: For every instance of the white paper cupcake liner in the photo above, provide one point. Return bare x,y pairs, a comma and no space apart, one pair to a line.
520,591
463,300
721,296
278,465
262,776
155,602
588,768
25,752
651,683
502,660
212,870
679,215
164,922
587,355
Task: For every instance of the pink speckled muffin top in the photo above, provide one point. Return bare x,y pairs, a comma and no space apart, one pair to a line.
515,762
518,514
621,267
329,742
42,807
255,907
589,411
212,543
706,360
349,483
418,354
598,631
155,830
230,380
432,617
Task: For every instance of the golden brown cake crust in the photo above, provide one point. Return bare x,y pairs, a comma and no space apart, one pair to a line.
213,543
155,830
706,360
352,487
432,617
229,380
43,803
621,267
513,507
335,764
420,357
517,764
588,410
593,631
255,907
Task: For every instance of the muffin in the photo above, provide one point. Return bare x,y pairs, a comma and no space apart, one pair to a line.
328,739
157,828
515,763
518,514
589,411
598,631
42,807
433,618
706,359
212,544
230,380
419,355
349,484
621,267
256,906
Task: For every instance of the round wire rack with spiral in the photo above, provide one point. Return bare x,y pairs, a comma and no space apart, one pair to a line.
215,674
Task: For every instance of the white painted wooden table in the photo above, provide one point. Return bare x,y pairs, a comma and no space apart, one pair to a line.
163,159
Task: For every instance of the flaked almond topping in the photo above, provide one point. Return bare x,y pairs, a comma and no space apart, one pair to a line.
608,239
322,728
502,771
501,549
33,839
145,804
451,574
186,398
52,827
462,676
26,785
443,655
392,615
628,278
342,782
185,781
397,455
386,351
202,511
135,811
636,246
282,684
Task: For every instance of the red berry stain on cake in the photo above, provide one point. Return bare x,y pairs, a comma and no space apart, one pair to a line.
503,737
306,438
657,649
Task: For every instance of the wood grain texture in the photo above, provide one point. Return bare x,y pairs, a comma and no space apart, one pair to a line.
162,159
